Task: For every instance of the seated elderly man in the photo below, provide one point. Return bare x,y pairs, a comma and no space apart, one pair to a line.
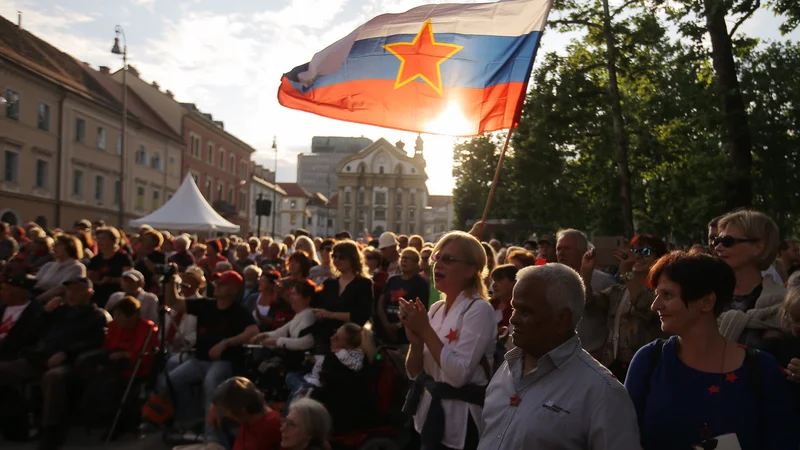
133,285
182,258
549,392
71,326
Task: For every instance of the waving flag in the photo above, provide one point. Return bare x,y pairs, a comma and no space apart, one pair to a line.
459,69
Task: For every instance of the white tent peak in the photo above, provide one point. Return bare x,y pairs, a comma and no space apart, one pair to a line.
187,210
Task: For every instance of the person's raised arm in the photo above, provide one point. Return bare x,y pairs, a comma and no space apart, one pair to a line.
171,297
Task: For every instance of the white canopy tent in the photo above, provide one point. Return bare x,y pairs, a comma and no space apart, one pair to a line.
187,210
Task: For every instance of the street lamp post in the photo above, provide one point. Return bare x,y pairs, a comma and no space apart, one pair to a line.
274,185
124,52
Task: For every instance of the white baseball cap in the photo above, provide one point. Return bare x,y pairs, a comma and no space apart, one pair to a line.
387,239
135,274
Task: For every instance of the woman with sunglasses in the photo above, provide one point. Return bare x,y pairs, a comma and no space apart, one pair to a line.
346,298
631,322
451,346
748,243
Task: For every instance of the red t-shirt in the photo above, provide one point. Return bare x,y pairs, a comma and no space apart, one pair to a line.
264,434
132,341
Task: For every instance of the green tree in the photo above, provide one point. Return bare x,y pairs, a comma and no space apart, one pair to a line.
474,163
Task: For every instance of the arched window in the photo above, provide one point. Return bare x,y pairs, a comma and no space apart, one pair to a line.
399,169
380,170
362,168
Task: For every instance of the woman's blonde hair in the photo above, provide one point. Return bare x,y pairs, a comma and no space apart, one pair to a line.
307,245
473,254
792,297
756,225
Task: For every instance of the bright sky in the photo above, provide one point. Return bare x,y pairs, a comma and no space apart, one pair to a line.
228,57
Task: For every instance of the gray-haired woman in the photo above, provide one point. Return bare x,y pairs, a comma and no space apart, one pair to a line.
306,427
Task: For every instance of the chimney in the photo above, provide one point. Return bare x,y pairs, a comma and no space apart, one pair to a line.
105,70
154,84
170,94
19,19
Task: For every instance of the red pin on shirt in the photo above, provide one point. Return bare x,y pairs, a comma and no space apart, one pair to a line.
452,336
514,401
731,377
713,389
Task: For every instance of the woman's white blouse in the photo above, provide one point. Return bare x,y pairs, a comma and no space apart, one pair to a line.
468,337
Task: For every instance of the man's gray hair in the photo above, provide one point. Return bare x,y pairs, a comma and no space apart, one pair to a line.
564,290
315,421
580,237
252,268
183,241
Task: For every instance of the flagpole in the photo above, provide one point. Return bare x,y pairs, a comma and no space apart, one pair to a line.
496,176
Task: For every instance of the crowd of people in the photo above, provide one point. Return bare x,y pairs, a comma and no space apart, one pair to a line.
272,343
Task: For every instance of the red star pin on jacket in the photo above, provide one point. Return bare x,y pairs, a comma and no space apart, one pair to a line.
713,389
731,377
452,336
514,401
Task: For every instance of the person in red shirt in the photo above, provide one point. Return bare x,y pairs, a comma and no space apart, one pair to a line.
127,335
239,400
213,256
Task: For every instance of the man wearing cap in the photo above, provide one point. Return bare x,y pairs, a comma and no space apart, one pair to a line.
133,285
547,250
18,316
72,326
223,326
388,244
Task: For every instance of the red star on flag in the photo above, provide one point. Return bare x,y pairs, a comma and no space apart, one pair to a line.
421,58
514,401
731,377
713,389
452,336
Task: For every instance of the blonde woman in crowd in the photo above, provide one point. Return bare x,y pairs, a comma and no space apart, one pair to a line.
451,344
748,243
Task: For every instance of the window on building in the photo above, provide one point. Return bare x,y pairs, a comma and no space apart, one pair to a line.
194,146
171,165
411,214
43,117
155,161
42,174
99,188
208,190
230,196
293,219
399,169
222,158
398,227
360,226
80,130
413,199
11,172
232,164
219,192
330,223
117,192
156,200
141,155
119,144
140,197
77,183
347,197
169,197
347,225
210,153
243,169
101,138
380,198
242,201
293,204
196,179
380,214
380,170
347,211
12,104
360,198
411,229
398,199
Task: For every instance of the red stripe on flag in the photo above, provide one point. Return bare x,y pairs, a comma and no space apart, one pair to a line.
414,107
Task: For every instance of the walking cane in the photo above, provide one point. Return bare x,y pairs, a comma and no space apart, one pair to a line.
130,385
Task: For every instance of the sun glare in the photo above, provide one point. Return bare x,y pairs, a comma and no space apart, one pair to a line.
451,122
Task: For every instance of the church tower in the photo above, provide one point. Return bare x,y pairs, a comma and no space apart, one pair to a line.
418,151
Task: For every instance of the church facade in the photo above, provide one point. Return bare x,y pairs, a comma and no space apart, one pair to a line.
381,188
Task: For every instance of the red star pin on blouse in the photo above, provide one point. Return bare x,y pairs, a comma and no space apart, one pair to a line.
514,401
452,336
731,377
713,389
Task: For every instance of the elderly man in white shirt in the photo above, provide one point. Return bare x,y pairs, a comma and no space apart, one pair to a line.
550,393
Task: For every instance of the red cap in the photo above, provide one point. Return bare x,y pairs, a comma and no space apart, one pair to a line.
229,276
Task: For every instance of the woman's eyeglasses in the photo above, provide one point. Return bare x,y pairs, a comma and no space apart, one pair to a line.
730,241
645,252
447,260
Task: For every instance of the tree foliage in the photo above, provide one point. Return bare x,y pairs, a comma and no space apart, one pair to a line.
561,170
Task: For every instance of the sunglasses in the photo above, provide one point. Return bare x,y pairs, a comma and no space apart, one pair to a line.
730,241
447,260
645,252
